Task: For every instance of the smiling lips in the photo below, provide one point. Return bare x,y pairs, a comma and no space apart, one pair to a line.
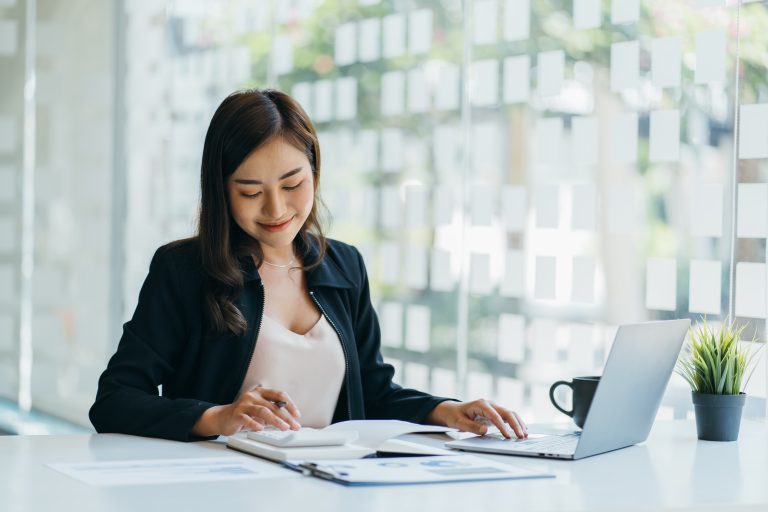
273,228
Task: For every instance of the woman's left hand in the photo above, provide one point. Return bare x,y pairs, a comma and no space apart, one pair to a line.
475,416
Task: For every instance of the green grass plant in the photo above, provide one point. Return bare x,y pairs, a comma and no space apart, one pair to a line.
714,361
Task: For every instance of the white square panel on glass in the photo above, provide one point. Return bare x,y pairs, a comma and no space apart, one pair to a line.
393,27
391,324
623,135
510,346
666,55
482,204
706,213
752,212
443,204
443,382
282,55
391,207
625,11
346,98
345,49
705,287
547,206
583,282
486,153
480,274
322,101
546,277
369,36
586,139
479,385
418,92
389,263
549,143
447,95
484,82
583,207
416,206
392,149
485,15
420,31
514,208
750,290
753,131
517,79
417,327
517,20
710,57
661,284
551,71
586,14
9,38
392,93
665,136
416,375
510,392
441,276
513,281
625,65
416,267
582,341
302,93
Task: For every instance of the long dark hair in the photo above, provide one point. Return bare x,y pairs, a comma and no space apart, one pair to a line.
245,121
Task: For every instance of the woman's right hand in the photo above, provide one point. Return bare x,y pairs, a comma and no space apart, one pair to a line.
253,410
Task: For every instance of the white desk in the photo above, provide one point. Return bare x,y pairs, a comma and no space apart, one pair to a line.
671,471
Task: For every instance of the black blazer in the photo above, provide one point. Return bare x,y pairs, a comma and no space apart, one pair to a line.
169,342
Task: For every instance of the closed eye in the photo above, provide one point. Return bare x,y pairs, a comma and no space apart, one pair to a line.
256,194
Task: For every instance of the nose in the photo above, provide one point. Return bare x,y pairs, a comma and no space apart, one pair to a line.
274,206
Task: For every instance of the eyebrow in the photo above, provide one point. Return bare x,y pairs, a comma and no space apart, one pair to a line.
257,182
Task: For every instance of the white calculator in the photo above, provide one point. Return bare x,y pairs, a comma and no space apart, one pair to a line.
303,437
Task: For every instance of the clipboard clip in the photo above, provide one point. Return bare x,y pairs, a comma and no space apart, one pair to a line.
312,469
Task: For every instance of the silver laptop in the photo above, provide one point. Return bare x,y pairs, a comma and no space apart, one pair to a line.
625,402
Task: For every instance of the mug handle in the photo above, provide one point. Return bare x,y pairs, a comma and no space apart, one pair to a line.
552,396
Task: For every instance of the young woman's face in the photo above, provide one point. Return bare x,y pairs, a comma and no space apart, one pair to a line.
271,193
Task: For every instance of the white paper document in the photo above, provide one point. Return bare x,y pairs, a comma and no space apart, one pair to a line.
416,470
166,471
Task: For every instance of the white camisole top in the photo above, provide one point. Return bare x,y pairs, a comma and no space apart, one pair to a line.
308,367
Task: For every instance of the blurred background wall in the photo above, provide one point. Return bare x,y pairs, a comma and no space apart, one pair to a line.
521,176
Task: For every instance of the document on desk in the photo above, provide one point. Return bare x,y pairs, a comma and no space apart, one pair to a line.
164,471
413,470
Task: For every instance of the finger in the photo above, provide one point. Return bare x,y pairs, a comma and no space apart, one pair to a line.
281,396
475,427
490,413
521,422
513,421
265,415
285,416
251,424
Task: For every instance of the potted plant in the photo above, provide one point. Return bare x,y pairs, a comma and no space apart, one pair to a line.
714,364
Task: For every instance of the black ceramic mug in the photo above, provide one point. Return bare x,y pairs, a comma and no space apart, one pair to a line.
583,390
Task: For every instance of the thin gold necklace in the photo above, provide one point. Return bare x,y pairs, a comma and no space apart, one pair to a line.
279,266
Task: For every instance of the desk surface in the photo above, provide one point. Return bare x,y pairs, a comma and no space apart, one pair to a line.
671,471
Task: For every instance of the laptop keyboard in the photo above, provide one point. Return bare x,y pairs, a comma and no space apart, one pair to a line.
549,444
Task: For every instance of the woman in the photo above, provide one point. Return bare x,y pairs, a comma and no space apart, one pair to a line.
259,320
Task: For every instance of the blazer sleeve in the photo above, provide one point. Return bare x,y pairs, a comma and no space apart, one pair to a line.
383,398
127,400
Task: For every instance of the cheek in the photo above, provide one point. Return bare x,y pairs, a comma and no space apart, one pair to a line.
305,200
